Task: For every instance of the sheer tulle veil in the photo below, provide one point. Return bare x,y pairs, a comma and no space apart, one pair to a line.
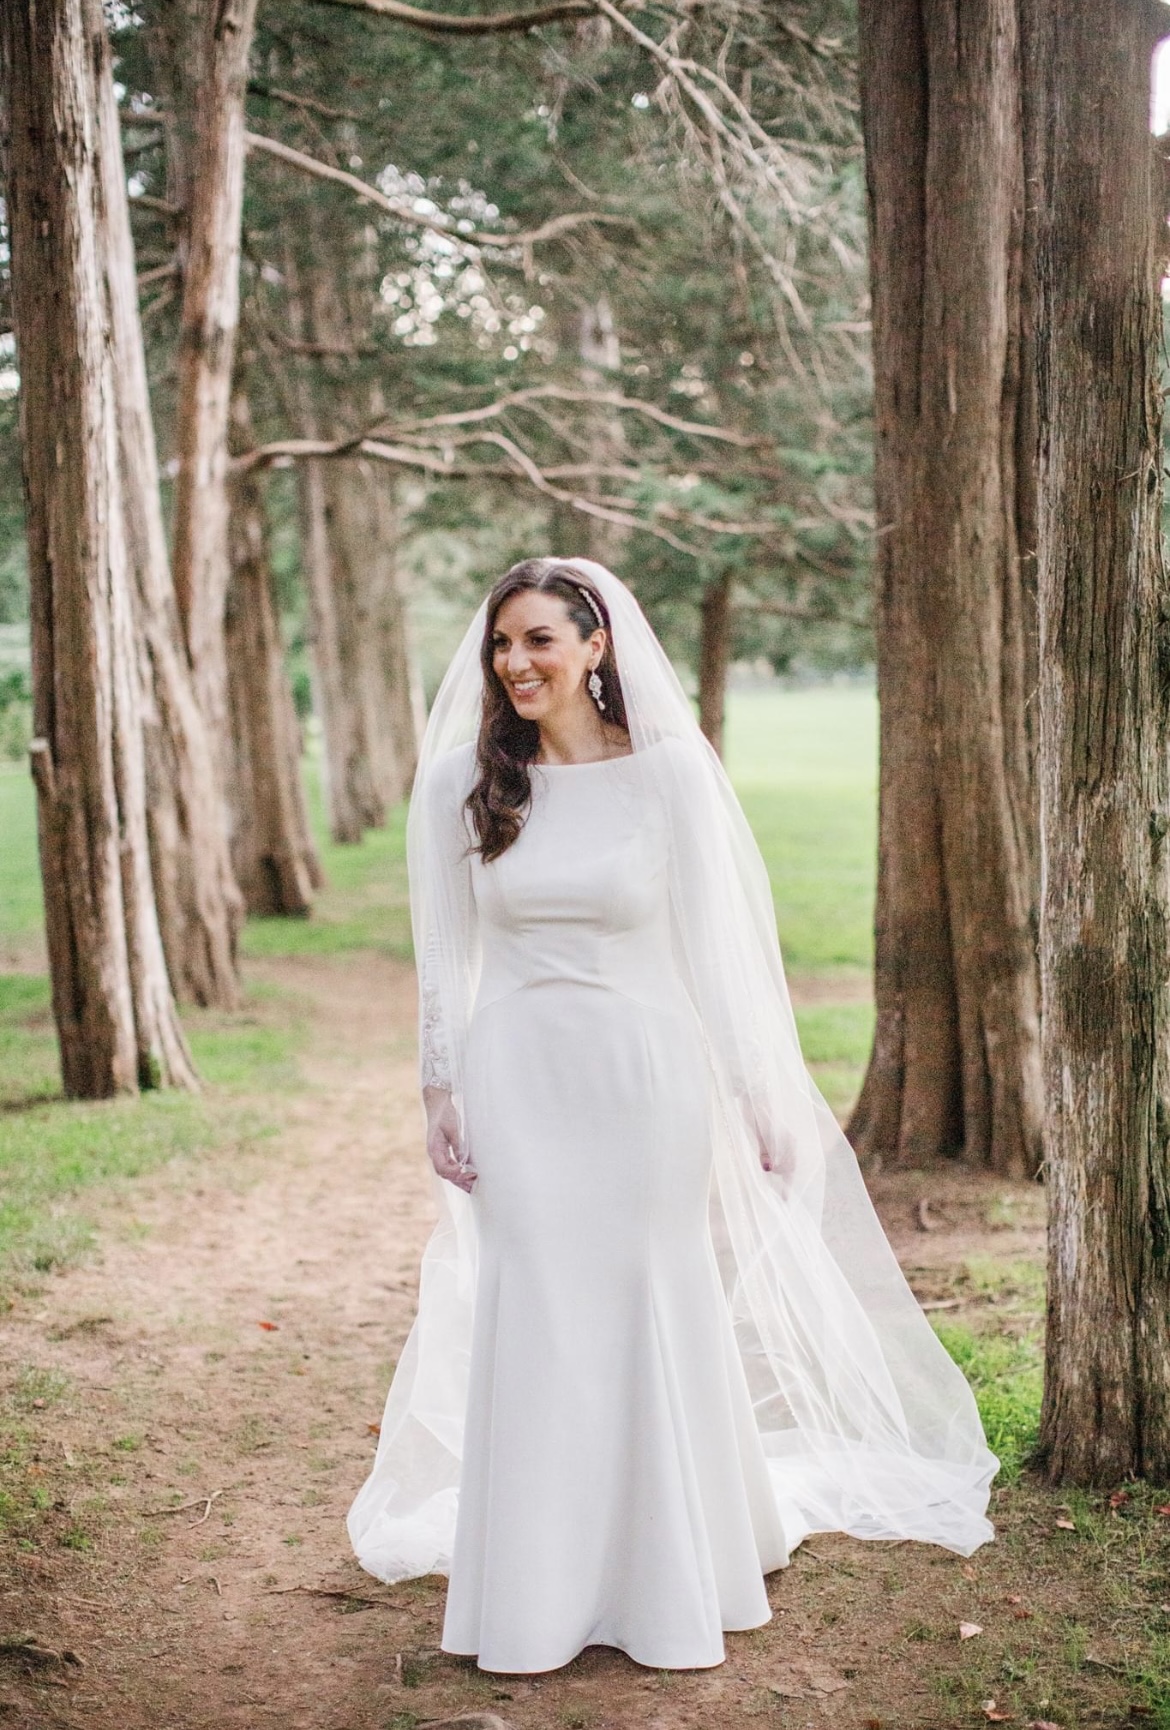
868,1426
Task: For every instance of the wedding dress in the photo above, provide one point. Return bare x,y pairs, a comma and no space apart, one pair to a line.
643,1368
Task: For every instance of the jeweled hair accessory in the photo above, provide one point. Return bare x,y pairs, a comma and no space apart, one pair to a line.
596,609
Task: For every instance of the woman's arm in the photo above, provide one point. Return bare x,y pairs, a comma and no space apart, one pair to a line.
451,918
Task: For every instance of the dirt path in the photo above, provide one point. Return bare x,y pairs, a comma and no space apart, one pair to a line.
233,1341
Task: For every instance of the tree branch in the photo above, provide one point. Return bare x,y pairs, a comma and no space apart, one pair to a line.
451,24
561,393
370,194
292,100
521,468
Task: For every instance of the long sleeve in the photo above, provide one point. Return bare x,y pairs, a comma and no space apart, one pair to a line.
446,928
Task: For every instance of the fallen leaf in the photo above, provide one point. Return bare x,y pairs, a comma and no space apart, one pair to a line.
967,1571
993,1714
1119,1498
872,1724
269,1327
1066,1526
1021,1614
968,1630
1164,1510
1013,1598
1042,1724
374,1429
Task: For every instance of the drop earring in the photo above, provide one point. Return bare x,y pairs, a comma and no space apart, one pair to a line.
595,689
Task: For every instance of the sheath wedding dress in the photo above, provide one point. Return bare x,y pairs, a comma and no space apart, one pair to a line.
643,1369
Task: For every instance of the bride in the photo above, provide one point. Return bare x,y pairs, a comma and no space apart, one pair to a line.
661,1336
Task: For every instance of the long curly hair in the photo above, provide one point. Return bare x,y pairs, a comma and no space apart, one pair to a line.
507,743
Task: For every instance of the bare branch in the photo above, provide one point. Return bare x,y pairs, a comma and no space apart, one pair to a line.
293,100
560,393
521,468
556,225
160,273
451,24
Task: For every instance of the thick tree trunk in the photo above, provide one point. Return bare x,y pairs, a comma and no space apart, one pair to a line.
112,1001
714,658
211,294
1104,784
199,906
273,854
955,1066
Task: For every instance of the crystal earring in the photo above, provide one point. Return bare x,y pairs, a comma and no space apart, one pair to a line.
595,688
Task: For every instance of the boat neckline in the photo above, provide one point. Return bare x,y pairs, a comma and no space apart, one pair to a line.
589,762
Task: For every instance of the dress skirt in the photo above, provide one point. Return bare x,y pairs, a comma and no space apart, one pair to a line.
614,1489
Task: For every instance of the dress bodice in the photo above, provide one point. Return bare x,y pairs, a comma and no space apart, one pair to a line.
582,896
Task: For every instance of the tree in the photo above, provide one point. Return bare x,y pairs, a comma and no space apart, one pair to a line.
955,1067
1104,714
199,905
273,853
116,1019
221,44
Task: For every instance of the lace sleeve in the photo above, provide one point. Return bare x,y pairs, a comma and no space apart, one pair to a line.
433,1045
446,934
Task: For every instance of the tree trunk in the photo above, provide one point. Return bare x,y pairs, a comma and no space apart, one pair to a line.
273,854
1104,783
351,797
955,1067
377,664
199,906
366,686
211,294
112,1001
714,657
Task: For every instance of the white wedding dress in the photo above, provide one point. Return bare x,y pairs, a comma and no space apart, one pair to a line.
643,1368
615,1489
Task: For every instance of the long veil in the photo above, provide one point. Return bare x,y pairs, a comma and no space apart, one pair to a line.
867,1424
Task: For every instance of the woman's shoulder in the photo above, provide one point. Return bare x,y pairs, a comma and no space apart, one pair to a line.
447,780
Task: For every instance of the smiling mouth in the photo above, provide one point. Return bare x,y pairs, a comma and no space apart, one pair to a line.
526,687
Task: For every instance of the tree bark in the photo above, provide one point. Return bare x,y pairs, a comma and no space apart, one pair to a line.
199,905
1104,781
366,687
955,1067
714,657
211,296
377,662
116,1019
273,853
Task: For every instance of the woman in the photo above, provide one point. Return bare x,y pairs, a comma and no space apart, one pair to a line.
661,1336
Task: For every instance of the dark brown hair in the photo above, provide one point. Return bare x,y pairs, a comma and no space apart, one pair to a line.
508,743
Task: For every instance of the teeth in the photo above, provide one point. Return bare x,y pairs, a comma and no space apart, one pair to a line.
528,687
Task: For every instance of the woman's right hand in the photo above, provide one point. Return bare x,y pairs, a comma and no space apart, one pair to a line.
444,1140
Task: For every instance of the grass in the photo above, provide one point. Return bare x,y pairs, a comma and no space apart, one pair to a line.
1006,1377
20,881
805,766
53,1150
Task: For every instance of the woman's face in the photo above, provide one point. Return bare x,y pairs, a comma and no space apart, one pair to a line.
539,655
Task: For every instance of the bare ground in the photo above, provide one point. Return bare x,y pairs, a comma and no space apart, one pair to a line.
198,1400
